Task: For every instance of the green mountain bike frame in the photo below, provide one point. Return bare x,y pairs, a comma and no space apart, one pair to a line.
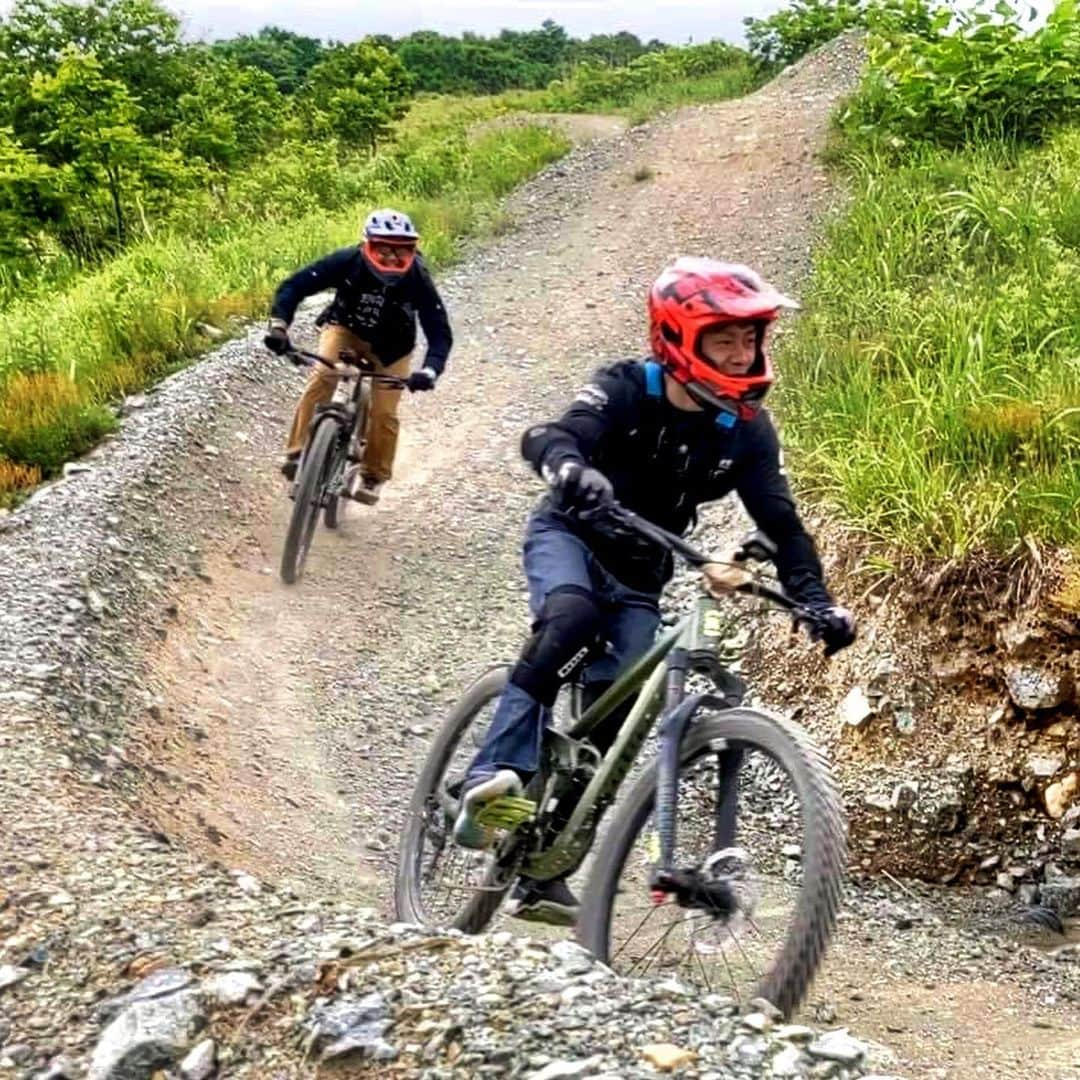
694,644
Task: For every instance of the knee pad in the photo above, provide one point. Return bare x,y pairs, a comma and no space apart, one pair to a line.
564,630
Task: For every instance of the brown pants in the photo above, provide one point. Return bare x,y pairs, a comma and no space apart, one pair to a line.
382,432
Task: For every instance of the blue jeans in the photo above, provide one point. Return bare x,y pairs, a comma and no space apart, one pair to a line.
556,557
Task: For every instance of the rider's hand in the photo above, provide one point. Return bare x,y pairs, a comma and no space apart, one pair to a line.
424,379
834,625
724,576
580,487
277,338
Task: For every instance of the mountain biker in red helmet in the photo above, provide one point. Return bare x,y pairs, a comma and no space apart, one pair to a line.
381,287
661,436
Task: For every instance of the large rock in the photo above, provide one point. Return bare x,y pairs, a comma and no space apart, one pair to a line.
941,802
1059,796
1060,892
148,1033
838,1046
232,987
10,975
1021,637
351,1026
1033,687
855,710
1044,766
201,1062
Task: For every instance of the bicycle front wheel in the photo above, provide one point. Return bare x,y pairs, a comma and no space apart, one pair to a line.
759,817
315,470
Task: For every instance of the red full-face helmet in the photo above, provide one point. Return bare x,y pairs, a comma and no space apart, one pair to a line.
694,295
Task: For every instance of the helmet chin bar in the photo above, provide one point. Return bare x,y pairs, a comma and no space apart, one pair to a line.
708,400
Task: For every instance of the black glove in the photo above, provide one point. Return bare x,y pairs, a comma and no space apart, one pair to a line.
424,379
277,340
581,487
832,624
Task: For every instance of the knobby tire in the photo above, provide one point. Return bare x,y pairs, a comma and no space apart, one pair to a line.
824,855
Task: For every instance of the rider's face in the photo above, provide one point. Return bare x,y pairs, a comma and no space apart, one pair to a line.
730,347
391,255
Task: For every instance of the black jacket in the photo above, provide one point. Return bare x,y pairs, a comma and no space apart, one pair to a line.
663,463
382,315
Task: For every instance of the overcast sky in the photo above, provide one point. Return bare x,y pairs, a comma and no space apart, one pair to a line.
348,20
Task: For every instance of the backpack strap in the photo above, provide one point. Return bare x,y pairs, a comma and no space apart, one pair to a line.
654,379
654,387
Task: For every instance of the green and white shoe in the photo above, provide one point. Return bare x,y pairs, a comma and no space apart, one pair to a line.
490,803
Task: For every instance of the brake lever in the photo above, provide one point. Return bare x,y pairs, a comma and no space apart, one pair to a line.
604,509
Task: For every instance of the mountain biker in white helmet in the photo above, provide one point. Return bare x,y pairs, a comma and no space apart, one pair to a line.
381,286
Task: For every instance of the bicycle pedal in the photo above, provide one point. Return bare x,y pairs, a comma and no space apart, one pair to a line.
506,812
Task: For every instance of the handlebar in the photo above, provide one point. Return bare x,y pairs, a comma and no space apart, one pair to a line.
303,358
754,547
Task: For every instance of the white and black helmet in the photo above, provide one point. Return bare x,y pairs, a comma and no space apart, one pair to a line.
390,225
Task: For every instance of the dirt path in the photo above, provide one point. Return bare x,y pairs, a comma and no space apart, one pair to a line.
306,709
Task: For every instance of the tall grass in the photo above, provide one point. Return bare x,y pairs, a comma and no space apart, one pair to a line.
932,388
717,86
64,357
647,85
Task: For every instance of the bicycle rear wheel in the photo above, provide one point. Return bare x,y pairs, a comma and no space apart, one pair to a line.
786,874
315,469
438,883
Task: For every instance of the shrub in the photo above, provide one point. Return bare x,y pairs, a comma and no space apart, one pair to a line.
986,79
791,33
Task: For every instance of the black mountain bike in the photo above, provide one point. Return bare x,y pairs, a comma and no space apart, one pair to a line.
724,863
329,468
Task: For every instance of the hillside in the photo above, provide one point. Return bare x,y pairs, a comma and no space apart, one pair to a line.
203,772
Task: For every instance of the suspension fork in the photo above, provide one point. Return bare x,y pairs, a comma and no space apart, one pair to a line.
729,761
678,710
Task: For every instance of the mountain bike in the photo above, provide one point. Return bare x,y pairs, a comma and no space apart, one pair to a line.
700,874
329,468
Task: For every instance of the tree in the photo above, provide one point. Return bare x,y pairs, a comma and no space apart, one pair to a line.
86,127
229,115
136,42
616,50
30,196
284,56
546,47
355,94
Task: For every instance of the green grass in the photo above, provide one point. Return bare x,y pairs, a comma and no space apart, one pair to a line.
639,102
931,389
718,86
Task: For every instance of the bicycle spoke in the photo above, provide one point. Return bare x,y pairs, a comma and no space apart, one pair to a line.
660,941
739,945
701,963
713,946
648,915
732,981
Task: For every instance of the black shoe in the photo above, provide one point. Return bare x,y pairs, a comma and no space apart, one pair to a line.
549,902
368,491
289,466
